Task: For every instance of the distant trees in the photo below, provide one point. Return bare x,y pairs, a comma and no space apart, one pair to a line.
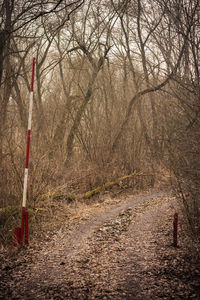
117,88
20,23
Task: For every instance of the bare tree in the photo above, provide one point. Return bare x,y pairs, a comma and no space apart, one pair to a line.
151,88
16,18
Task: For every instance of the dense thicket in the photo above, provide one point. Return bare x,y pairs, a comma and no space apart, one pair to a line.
117,89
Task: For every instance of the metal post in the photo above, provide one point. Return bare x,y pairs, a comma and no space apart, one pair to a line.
17,236
24,214
175,231
26,228
28,137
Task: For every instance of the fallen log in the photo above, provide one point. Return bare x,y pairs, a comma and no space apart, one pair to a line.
88,194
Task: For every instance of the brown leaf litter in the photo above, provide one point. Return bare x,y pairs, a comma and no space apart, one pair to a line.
122,252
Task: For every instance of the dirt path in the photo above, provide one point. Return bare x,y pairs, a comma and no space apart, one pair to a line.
122,253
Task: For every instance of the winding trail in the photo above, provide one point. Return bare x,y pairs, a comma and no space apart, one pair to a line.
122,253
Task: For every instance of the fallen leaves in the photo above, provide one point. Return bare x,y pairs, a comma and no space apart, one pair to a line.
127,256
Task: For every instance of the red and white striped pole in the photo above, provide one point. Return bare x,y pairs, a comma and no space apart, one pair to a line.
28,136
19,232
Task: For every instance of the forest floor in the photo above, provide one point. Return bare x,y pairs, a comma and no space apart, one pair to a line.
118,249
